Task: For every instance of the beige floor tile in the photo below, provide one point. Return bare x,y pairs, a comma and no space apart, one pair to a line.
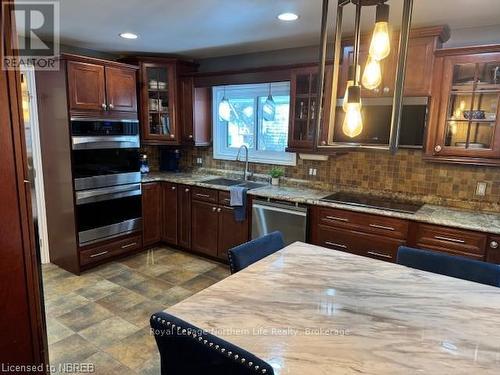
135,350
84,316
73,349
174,295
127,278
104,364
219,272
140,314
198,283
98,290
178,276
57,331
62,304
109,269
151,287
121,300
108,331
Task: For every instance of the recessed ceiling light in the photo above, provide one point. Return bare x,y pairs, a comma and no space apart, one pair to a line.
128,35
288,17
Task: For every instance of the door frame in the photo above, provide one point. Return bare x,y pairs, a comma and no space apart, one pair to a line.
29,73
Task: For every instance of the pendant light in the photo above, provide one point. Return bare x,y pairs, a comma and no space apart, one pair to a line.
224,108
269,108
372,76
350,82
380,46
353,122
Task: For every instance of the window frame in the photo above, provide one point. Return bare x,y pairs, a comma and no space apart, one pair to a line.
220,149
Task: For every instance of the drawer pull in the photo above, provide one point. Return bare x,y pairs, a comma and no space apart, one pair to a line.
129,245
335,244
202,195
99,254
387,256
382,227
455,240
337,218
494,244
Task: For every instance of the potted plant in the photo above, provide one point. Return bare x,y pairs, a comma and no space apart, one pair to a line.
275,174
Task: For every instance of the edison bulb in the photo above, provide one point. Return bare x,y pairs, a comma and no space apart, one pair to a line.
372,76
224,109
353,123
350,82
380,46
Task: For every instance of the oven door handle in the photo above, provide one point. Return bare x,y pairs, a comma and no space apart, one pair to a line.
100,142
108,193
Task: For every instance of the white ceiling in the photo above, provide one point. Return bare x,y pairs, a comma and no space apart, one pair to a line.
207,28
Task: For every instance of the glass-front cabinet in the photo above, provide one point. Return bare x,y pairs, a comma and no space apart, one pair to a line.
468,114
158,103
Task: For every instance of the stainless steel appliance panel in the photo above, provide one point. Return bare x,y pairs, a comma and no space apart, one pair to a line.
94,182
289,219
90,236
108,193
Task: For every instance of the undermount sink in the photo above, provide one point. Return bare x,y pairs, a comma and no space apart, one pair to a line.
229,182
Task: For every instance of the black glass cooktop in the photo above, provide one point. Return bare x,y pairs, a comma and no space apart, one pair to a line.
366,200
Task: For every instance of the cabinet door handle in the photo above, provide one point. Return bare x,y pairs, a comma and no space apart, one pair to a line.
219,210
186,190
103,105
382,227
386,90
99,254
438,148
335,244
214,209
190,136
111,106
449,239
173,188
202,195
494,244
172,135
387,256
337,218
129,245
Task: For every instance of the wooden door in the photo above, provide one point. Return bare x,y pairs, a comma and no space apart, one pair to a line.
231,232
151,213
493,250
86,87
170,213
186,109
204,227
121,89
184,216
22,327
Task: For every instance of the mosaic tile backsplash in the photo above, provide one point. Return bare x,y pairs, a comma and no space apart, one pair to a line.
404,175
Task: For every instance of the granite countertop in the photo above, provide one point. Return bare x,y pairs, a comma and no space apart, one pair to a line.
457,218
311,310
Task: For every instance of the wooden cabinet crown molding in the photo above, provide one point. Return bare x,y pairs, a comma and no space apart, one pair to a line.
94,60
467,50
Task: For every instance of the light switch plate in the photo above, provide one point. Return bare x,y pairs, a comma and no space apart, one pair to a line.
481,189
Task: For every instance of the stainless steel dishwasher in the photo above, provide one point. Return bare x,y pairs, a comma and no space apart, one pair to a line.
289,218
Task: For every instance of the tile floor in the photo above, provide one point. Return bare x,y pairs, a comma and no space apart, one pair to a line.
102,316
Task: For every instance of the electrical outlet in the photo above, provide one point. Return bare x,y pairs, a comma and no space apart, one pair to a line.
314,171
310,171
199,161
481,189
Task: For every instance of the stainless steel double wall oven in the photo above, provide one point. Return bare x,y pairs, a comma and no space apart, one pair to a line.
107,178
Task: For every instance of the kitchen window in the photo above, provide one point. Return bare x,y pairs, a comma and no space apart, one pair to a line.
266,139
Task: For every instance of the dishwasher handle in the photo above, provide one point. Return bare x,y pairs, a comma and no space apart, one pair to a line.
298,212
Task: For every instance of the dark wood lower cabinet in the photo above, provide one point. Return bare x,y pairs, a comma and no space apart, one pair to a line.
94,254
170,202
204,224
184,216
151,213
231,232
493,250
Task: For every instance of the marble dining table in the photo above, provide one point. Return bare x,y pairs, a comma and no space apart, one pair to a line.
308,310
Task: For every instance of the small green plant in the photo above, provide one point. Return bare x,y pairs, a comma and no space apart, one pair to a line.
277,172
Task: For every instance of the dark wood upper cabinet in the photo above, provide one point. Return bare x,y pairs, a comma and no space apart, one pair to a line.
170,202
464,117
100,87
121,90
151,213
195,113
86,86
204,227
184,216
